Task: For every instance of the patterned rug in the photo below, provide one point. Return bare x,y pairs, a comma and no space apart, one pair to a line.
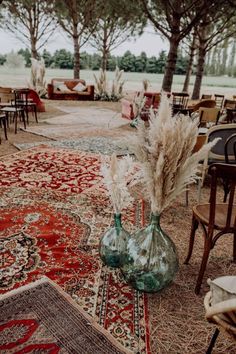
83,122
45,231
41,318
50,168
103,145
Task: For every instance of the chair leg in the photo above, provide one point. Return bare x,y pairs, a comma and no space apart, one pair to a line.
207,248
5,127
15,116
35,113
194,227
213,340
27,114
23,117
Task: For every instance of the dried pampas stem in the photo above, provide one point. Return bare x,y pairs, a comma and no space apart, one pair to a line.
164,151
116,174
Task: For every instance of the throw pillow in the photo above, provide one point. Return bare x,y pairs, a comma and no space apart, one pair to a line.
79,87
63,87
56,84
222,288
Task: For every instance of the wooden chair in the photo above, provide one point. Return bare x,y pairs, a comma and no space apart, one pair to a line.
230,158
217,152
230,149
206,97
180,101
208,116
204,103
219,100
223,315
3,122
16,110
22,99
215,218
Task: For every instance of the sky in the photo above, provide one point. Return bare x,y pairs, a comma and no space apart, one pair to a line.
149,42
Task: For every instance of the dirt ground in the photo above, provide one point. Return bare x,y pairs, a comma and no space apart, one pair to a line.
52,110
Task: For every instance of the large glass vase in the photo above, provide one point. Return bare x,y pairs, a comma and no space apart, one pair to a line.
113,245
152,260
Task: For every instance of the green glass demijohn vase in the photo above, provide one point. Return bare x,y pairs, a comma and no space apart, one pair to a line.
113,244
152,260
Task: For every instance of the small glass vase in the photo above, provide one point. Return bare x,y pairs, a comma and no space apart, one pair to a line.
152,260
113,245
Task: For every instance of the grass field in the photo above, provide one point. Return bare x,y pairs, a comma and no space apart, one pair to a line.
133,81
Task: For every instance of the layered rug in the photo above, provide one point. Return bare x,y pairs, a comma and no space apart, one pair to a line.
42,318
51,224
49,227
98,144
50,168
81,122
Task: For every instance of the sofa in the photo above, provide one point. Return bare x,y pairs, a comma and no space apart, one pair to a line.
152,100
70,89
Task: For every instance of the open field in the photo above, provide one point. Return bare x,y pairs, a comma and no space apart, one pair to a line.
133,81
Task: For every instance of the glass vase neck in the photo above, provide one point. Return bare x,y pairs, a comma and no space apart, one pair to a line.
155,219
117,220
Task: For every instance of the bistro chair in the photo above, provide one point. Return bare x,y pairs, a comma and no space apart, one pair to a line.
230,158
17,111
208,116
23,100
3,123
223,315
217,152
206,97
180,101
216,219
219,100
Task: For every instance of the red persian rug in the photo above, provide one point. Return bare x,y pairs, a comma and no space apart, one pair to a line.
41,318
49,168
46,232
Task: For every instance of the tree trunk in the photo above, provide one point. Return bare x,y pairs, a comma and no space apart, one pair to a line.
199,73
104,60
171,63
190,62
104,49
76,42
34,53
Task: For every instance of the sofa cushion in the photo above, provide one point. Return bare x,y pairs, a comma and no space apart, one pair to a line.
62,87
79,87
56,84
72,83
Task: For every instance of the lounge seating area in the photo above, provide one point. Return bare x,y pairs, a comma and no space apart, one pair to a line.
70,89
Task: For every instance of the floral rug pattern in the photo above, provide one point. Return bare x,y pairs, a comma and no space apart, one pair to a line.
60,235
50,168
103,145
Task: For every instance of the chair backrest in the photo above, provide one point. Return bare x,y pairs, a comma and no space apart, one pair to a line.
204,103
22,95
6,94
219,100
205,96
229,104
230,149
208,115
223,131
180,99
217,172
